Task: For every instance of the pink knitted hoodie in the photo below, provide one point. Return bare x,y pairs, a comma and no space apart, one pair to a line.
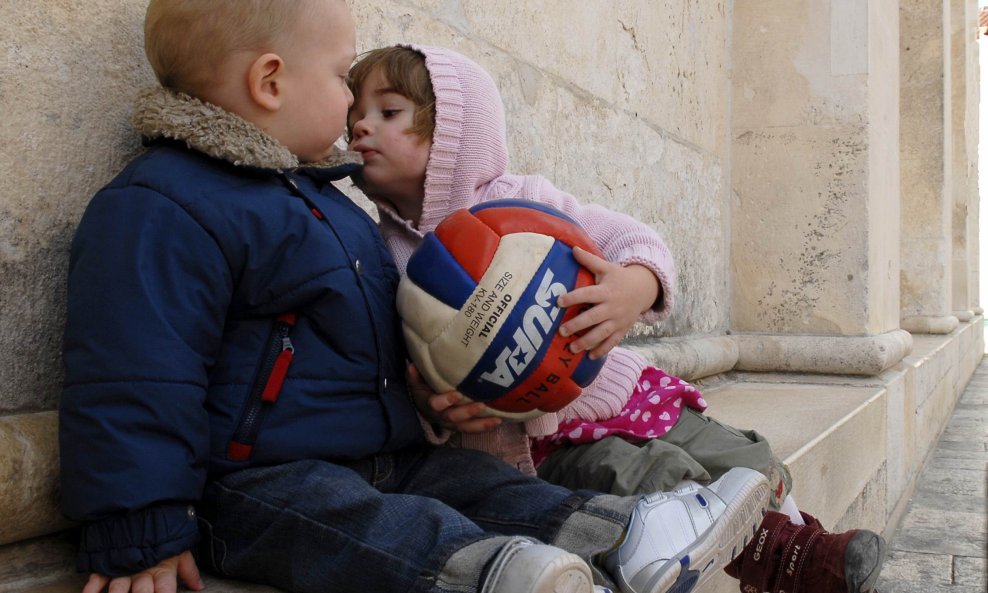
467,165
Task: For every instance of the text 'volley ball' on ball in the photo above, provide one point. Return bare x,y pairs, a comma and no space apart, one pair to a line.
478,307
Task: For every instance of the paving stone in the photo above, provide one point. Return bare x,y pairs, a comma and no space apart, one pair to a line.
954,462
914,587
963,503
971,571
967,428
969,482
974,447
960,454
915,567
941,543
942,531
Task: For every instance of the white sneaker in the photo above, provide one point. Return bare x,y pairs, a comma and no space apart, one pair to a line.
527,567
676,540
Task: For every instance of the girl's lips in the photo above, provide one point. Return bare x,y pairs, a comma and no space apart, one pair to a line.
367,153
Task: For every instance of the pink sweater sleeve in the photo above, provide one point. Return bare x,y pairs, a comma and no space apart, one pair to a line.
623,239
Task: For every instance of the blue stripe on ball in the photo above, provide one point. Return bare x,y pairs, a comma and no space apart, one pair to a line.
587,370
438,273
505,354
522,204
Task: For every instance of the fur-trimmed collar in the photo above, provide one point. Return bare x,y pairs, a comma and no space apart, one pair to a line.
162,113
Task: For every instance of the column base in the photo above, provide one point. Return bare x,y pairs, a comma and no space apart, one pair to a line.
832,355
929,324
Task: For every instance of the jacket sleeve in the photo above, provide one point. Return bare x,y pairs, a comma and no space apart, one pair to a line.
147,298
623,239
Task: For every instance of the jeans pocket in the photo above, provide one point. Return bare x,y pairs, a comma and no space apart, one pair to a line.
212,549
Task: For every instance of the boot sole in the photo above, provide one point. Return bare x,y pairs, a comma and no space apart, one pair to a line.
863,561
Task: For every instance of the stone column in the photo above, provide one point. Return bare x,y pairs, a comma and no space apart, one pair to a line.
972,135
815,233
925,149
962,165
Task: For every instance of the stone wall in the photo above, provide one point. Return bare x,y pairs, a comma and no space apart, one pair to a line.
761,139
622,103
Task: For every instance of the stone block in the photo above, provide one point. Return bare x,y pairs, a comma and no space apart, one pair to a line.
29,476
900,454
691,359
808,279
938,530
839,355
831,436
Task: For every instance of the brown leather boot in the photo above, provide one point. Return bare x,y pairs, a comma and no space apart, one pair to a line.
787,558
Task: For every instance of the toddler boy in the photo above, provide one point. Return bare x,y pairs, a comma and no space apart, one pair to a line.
235,373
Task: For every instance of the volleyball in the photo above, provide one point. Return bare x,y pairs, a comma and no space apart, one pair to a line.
479,313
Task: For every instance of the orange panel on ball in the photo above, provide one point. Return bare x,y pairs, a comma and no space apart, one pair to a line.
549,388
471,242
518,219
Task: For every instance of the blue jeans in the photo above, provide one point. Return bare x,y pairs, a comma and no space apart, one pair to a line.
422,520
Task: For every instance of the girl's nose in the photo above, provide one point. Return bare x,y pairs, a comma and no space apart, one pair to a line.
359,128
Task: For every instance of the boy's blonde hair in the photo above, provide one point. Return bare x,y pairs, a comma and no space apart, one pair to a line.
404,69
187,41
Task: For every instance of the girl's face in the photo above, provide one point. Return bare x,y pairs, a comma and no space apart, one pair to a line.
394,159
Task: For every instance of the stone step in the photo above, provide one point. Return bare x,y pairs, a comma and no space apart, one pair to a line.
853,445
832,437
74,584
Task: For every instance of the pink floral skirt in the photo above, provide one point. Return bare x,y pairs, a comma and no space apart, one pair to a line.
651,412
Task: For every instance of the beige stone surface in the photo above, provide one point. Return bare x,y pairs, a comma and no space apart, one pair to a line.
828,434
70,72
929,325
815,117
40,562
799,251
640,128
963,162
626,130
761,139
691,359
926,192
29,476
865,355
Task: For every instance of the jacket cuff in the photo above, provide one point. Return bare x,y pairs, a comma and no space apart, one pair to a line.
434,434
123,545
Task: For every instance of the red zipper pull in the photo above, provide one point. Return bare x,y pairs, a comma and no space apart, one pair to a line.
280,370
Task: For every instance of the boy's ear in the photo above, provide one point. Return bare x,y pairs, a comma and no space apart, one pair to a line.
264,79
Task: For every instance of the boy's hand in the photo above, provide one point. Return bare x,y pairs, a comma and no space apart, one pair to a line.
621,295
158,579
449,410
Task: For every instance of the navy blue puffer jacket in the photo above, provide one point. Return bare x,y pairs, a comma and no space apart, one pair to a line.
181,272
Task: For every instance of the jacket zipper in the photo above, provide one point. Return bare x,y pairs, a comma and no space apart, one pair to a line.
266,388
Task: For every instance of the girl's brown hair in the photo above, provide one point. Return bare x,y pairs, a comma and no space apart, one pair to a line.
405,71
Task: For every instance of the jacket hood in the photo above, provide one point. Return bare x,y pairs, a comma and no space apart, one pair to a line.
469,144
163,113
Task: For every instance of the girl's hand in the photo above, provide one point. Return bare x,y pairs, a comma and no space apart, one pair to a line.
621,295
450,410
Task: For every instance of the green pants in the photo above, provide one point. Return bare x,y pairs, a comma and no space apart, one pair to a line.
697,448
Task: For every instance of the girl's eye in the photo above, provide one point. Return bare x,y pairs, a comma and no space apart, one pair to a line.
389,113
